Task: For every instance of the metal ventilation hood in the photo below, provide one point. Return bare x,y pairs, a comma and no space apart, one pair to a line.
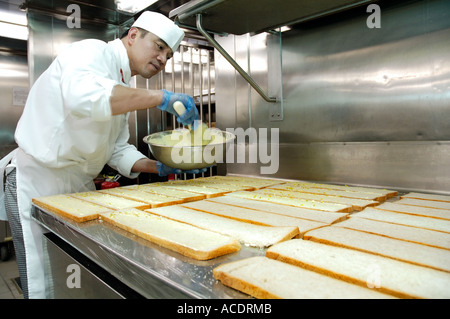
254,16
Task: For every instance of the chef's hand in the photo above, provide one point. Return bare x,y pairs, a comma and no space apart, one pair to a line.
164,170
169,98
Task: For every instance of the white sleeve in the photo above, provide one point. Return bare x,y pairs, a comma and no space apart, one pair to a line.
87,80
125,155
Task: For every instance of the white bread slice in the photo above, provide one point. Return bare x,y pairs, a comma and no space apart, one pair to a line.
415,210
308,188
110,201
441,198
70,207
419,236
248,234
332,207
400,279
185,239
209,192
215,183
405,219
424,203
254,182
185,196
356,203
209,183
417,254
388,193
298,212
152,200
253,216
265,278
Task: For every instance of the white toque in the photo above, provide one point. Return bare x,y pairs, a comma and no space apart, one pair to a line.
161,26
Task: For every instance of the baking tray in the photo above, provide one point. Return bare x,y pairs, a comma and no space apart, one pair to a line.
150,270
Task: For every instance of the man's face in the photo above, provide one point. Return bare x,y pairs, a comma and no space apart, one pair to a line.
148,55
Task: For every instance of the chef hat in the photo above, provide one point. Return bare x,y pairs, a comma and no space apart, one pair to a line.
162,27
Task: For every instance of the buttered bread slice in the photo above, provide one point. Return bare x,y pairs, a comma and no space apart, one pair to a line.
310,204
70,207
185,239
253,216
151,199
246,233
110,201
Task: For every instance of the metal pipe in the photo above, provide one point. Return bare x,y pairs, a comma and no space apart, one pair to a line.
225,54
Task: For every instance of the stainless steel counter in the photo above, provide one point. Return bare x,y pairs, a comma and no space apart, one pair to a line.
149,270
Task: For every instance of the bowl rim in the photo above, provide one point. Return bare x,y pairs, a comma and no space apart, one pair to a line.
229,137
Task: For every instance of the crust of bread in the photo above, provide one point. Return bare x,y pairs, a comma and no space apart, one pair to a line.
331,207
419,222
251,182
425,203
44,202
249,234
415,210
417,254
227,246
274,208
184,196
424,196
356,203
388,193
400,279
111,201
253,216
151,200
262,278
407,233
348,192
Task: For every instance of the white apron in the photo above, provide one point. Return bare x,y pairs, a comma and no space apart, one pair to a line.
33,180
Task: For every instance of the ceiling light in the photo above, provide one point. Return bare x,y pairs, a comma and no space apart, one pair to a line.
132,6
14,31
13,17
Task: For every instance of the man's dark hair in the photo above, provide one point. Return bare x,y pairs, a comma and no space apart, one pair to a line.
142,31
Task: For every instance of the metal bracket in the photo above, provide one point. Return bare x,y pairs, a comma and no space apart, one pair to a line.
225,54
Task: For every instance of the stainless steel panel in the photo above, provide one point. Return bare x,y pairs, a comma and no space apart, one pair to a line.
13,91
354,94
67,278
48,34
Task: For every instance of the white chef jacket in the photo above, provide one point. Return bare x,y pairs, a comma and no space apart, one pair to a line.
67,120
67,134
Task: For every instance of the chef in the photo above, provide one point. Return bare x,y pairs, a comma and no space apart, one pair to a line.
76,120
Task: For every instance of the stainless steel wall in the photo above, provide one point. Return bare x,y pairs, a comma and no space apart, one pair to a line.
48,33
13,91
360,106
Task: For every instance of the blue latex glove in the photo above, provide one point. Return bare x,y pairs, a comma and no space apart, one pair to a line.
164,170
191,114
